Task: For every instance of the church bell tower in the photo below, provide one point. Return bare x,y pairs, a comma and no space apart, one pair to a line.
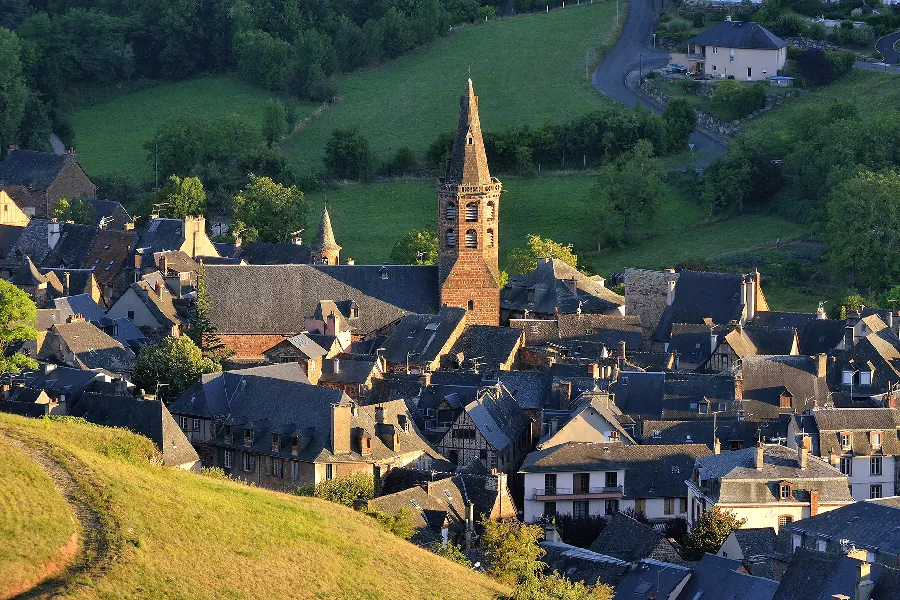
468,223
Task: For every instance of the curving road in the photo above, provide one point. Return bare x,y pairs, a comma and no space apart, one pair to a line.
887,46
631,53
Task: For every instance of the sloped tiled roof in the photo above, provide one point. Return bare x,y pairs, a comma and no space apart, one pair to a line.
861,421
579,564
492,346
867,525
756,541
497,416
282,253
73,247
718,578
556,286
629,540
821,336
116,215
422,336
739,34
94,349
325,236
765,377
33,170
699,296
347,370
468,161
814,575
108,254
32,242
27,275
692,341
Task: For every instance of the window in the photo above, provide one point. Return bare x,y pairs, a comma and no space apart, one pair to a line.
715,50
450,212
490,238
329,471
276,443
471,239
749,72
196,425
875,437
295,470
683,505
865,378
245,461
451,238
482,454
847,377
875,466
580,509
669,506
612,479
820,545
183,423
549,509
470,305
640,507
227,459
550,484
731,55
847,465
472,211
846,440
785,520
875,491
248,437
228,435
463,433
384,274
489,211
734,446
582,483
611,507
785,400
131,315
277,467
784,491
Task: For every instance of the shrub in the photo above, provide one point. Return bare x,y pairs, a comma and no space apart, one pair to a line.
677,26
789,25
399,523
453,552
348,156
345,489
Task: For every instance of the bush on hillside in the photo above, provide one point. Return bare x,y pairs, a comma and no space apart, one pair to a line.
345,489
348,155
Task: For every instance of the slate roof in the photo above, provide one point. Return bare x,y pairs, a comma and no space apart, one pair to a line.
277,299
161,235
325,235
468,161
867,525
8,236
422,336
739,34
607,330
497,416
304,344
94,349
670,395
692,341
27,275
579,564
821,336
879,351
58,380
161,304
756,541
349,370
814,575
492,346
395,387
34,170
81,304
782,320
72,249
176,261
32,241
282,253
754,341
717,578
528,388
629,540
599,403
149,418
81,281
558,288
699,296
742,482
650,471
829,423
699,431
651,576
118,217
108,254
765,377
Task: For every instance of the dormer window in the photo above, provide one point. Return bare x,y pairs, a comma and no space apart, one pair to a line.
846,440
276,443
875,439
248,437
384,274
865,378
229,437
365,445
295,445
785,490
847,377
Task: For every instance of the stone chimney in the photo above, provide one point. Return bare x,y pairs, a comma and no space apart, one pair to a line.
351,262
158,287
750,282
760,454
336,368
820,312
66,283
758,568
717,445
340,429
565,395
621,354
864,583
161,263
813,503
821,364
803,457
379,415
670,288
550,533
594,370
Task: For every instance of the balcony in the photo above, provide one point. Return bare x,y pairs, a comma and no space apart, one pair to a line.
577,494
696,57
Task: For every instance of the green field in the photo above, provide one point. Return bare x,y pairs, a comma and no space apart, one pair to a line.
175,534
526,70
110,135
33,513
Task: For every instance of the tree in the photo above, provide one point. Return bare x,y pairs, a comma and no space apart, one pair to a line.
76,210
266,211
348,156
14,92
711,530
275,124
262,59
200,329
18,318
558,587
418,247
524,260
345,489
863,230
182,198
628,189
453,552
171,366
512,550
728,99
679,121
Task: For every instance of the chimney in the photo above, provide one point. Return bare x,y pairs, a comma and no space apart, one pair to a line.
157,287
807,443
554,425
813,503
864,583
340,429
820,312
66,283
670,289
621,354
751,297
760,453
13,147
330,326
713,341
821,364
336,366
594,370
758,568
744,292
161,263
848,337
351,262
728,18
803,457
717,445
550,533
833,459
138,259
470,516
379,415
565,394
53,233
428,490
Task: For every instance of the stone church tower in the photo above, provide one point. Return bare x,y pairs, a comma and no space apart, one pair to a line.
325,249
469,205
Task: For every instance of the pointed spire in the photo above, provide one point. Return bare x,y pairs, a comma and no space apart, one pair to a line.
468,161
325,236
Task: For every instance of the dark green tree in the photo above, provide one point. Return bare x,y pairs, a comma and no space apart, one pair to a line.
524,260
14,93
418,247
180,198
275,125
512,550
679,121
348,156
266,211
171,366
76,210
200,328
18,319
711,530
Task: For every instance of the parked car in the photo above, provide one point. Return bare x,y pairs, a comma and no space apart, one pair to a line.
676,68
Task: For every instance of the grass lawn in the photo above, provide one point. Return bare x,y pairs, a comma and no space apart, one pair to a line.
33,515
110,135
185,535
526,70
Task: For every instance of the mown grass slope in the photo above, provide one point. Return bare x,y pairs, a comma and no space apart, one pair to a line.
184,535
527,70
33,515
110,135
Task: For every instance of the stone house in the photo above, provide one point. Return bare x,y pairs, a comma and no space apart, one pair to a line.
601,478
769,486
742,50
79,344
151,305
352,374
741,342
36,181
418,342
630,540
593,417
300,349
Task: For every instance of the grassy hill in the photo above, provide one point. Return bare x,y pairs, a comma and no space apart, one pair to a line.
527,70
110,134
172,534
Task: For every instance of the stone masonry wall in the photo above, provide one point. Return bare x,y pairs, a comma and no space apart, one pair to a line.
645,295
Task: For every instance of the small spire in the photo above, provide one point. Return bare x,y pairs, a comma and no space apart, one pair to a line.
325,236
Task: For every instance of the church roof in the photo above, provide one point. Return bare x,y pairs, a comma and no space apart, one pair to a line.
325,236
468,161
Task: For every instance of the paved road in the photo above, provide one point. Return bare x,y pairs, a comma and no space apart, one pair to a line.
887,46
630,53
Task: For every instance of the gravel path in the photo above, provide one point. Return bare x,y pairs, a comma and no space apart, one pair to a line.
94,548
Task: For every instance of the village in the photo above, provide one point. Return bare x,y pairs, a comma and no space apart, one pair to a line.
677,440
